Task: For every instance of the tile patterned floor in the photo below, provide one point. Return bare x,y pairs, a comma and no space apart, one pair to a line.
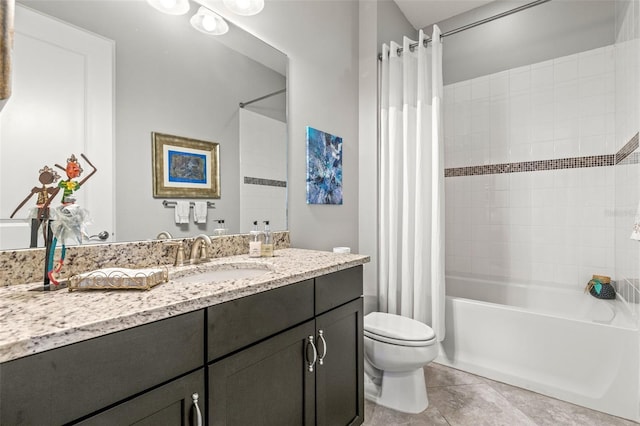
457,398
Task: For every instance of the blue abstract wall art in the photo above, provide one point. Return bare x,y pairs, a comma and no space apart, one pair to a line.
324,167
187,167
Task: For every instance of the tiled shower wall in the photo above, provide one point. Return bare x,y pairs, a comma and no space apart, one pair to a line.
263,171
551,225
627,192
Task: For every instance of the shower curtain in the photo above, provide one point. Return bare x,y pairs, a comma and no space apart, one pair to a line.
411,211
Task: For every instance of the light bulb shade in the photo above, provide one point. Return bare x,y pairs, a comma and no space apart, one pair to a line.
244,7
209,22
170,7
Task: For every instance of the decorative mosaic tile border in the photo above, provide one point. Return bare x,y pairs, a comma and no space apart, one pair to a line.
265,182
631,159
628,148
624,154
533,166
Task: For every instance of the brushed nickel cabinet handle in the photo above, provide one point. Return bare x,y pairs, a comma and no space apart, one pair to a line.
324,347
195,397
310,364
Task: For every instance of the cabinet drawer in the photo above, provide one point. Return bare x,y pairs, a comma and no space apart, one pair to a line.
63,384
169,405
238,323
338,288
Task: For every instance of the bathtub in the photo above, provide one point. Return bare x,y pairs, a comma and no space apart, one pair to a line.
554,340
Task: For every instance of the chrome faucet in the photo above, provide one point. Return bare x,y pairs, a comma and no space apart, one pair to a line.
199,251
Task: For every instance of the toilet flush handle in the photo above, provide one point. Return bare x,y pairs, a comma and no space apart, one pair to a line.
324,347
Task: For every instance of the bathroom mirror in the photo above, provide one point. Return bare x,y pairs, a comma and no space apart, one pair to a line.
167,78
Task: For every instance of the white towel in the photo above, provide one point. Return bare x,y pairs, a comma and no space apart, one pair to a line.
635,232
182,211
200,212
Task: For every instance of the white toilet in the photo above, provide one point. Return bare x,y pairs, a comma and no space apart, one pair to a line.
395,350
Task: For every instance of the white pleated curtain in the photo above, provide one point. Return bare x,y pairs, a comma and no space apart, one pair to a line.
411,258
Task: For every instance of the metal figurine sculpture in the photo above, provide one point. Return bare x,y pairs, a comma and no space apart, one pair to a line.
73,170
69,219
62,222
48,176
45,193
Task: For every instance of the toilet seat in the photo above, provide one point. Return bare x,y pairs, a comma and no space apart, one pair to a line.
397,330
398,342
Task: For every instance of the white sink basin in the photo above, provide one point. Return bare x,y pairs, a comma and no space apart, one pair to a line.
221,272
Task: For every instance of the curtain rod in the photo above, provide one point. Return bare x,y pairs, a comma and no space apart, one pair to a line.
475,24
277,92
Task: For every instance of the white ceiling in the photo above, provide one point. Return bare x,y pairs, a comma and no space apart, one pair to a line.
421,13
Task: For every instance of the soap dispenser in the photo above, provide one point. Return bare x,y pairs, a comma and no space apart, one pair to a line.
255,241
220,229
267,245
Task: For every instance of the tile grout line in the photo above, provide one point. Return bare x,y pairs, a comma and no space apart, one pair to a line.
443,416
511,404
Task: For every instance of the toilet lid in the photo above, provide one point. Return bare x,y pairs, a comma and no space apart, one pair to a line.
397,328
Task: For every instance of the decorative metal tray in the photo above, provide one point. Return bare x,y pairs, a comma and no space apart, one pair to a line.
119,279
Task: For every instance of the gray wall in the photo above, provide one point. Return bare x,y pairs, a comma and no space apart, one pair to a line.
550,30
170,79
392,24
622,9
368,155
321,40
546,31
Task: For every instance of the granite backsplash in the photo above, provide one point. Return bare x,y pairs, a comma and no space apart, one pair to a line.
27,265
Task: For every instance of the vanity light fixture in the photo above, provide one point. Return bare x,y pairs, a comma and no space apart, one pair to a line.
209,22
171,7
244,7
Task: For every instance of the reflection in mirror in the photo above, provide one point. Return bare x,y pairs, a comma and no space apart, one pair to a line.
98,77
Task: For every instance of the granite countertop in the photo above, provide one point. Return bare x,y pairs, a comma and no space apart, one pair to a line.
36,321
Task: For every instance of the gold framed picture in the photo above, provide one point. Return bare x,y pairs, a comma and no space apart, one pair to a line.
185,168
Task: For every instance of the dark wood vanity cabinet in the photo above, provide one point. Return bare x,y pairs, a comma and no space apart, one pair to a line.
309,374
71,382
287,356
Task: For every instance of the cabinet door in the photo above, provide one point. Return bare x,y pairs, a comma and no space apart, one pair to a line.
340,369
266,384
177,403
